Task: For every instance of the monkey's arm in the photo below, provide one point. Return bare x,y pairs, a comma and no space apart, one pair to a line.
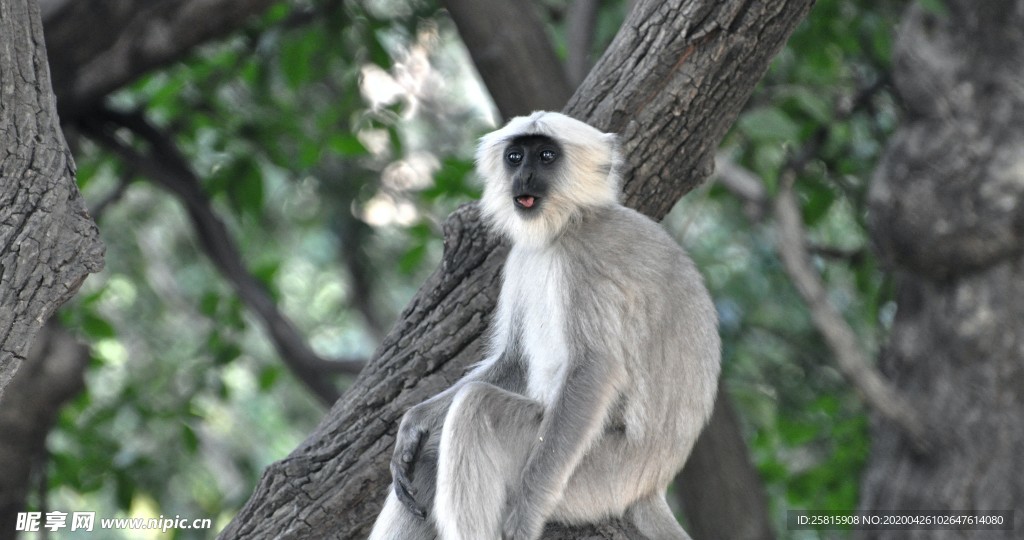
414,460
567,430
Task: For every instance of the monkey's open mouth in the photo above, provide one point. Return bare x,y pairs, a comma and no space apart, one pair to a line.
525,201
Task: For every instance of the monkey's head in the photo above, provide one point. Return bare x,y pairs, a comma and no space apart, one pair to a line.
542,171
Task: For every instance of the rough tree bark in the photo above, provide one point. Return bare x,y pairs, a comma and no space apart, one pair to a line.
48,242
946,212
671,84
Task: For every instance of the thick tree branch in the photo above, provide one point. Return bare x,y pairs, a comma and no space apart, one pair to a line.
500,33
165,165
580,22
671,84
48,242
88,65
707,53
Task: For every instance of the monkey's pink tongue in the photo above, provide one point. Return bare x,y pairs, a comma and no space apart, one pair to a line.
526,201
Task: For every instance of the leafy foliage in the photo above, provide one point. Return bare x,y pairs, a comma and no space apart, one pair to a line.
826,92
185,392
332,138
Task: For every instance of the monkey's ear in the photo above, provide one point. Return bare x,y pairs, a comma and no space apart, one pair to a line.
614,144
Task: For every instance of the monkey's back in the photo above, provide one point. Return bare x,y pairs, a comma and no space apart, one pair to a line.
667,339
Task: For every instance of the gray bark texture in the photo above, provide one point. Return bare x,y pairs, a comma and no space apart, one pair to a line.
671,84
946,213
48,242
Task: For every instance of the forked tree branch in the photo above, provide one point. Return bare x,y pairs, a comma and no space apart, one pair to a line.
850,357
167,167
143,35
48,242
853,361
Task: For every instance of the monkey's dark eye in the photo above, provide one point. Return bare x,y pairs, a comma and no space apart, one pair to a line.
547,156
514,157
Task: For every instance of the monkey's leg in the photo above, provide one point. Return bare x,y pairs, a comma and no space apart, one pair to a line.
619,477
396,521
485,441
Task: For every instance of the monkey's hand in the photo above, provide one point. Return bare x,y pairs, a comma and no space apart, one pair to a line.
409,442
525,520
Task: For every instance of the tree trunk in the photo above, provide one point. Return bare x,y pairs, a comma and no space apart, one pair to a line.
48,242
53,374
580,27
946,214
671,84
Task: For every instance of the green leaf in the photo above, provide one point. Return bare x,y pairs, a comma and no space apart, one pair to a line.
189,438
244,187
822,64
816,201
412,258
797,433
266,272
347,145
297,59
97,327
309,153
453,179
208,304
277,13
268,377
226,353
772,471
124,489
378,53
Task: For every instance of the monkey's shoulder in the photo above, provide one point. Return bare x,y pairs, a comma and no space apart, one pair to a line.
620,235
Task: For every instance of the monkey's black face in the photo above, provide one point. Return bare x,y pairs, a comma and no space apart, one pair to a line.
532,162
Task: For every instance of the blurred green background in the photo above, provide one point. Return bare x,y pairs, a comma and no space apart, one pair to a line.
332,139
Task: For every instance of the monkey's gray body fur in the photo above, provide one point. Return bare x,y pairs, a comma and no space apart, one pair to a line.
602,371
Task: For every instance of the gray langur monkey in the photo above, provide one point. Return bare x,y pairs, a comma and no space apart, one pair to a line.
603,362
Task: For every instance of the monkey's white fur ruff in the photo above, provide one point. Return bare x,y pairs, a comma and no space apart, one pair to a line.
594,170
